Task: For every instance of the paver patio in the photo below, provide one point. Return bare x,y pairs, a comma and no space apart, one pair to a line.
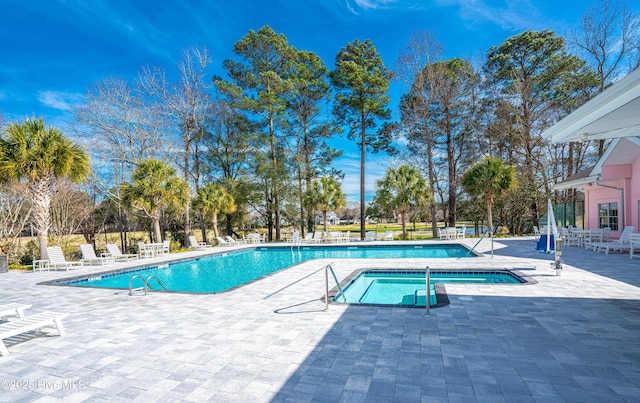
568,338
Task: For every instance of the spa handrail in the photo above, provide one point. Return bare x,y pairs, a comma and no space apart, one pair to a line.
328,268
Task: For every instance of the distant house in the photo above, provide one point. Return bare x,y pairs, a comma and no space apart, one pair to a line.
612,186
332,218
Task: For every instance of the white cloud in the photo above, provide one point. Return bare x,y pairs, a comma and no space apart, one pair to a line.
368,5
512,15
63,101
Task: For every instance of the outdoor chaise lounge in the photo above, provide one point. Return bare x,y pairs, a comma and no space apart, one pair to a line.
89,256
618,245
23,325
57,260
13,309
194,244
115,253
634,245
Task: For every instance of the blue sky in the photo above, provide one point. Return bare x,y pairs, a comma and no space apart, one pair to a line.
53,50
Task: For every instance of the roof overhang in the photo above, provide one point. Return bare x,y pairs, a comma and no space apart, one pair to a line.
578,183
611,114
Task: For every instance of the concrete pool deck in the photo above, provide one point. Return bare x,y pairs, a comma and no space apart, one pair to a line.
574,337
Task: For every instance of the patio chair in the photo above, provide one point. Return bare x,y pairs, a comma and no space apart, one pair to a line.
221,242
295,237
536,232
166,246
307,237
194,244
634,245
461,232
145,250
317,236
28,324
56,259
89,256
114,252
371,236
442,233
388,235
13,309
619,245
232,241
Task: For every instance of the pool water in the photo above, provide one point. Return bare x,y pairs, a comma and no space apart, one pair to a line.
225,271
408,288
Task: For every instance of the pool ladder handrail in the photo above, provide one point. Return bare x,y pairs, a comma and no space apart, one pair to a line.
328,268
427,279
146,285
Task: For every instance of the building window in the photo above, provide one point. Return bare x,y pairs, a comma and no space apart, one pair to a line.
608,215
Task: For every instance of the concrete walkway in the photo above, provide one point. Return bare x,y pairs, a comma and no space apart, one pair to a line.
568,338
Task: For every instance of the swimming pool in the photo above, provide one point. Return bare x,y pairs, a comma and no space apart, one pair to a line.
224,271
408,287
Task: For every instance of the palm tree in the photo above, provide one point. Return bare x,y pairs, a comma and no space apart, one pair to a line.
213,199
154,188
325,194
489,178
402,189
38,156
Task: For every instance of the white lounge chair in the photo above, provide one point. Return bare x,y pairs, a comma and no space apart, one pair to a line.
166,246
233,242
536,232
371,236
634,245
222,242
442,233
27,324
317,236
57,260
13,309
307,237
89,256
295,237
388,235
114,252
194,244
618,245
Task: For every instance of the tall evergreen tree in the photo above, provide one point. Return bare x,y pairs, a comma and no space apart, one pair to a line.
361,81
259,84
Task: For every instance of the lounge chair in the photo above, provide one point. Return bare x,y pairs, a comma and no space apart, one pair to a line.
619,245
461,232
317,236
89,256
634,245
536,232
114,252
57,260
233,242
295,237
13,309
442,233
222,242
194,244
371,236
307,237
27,324
388,235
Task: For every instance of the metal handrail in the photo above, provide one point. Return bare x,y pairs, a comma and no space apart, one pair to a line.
427,276
328,268
147,286
144,287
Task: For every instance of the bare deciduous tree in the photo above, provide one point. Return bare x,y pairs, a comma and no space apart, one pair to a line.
186,102
71,207
15,210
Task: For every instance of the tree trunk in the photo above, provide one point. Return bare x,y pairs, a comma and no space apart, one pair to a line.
404,225
214,221
157,233
363,209
41,192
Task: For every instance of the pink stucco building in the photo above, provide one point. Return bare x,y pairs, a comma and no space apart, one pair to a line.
612,187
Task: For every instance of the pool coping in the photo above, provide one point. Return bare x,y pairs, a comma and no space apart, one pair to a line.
442,299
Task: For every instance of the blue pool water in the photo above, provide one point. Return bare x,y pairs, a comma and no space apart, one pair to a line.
408,288
224,271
